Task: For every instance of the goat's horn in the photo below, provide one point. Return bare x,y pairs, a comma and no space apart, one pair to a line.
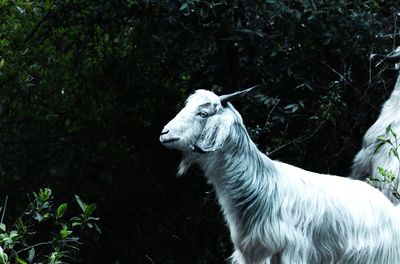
236,95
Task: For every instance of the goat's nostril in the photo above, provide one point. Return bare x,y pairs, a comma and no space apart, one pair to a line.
164,132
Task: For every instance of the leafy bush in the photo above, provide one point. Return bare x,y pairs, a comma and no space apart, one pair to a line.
389,178
43,233
86,87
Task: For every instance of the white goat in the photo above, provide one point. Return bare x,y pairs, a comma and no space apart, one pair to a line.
273,208
375,153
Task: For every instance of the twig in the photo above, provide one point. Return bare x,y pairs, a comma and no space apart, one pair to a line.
394,28
298,140
335,71
36,245
270,112
369,72
46,243
389,35
4,209
152,262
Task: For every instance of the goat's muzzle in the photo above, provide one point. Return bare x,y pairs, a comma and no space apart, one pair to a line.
165,138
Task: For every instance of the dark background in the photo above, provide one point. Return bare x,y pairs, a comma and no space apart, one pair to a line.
86,87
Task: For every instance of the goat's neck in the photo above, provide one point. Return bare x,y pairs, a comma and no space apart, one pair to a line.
244,178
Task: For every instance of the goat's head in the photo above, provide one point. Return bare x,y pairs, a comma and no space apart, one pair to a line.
203,124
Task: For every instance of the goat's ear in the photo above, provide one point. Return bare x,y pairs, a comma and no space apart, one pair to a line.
214,133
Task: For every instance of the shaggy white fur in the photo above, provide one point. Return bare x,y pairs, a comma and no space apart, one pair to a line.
273,208
366,162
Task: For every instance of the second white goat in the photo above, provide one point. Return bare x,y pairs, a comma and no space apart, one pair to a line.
376,153
379,160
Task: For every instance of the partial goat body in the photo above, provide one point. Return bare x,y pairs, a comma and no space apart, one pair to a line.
368,159
273,208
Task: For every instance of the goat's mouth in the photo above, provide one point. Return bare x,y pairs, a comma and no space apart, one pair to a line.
170,140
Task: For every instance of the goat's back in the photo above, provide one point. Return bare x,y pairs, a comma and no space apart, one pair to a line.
342,220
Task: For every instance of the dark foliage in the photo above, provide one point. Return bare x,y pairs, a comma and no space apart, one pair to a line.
86,87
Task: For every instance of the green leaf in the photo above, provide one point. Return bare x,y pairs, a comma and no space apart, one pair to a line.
20,261
387,174
395,153
38,217
47,5
64,232
44,194
97,228
392,132
31,254
251,32
82,205
388,128
13,234
76,224
379,146
61,210
3,227
381,138
89,209
184,6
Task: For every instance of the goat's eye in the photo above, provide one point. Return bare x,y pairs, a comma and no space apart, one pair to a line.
203,114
